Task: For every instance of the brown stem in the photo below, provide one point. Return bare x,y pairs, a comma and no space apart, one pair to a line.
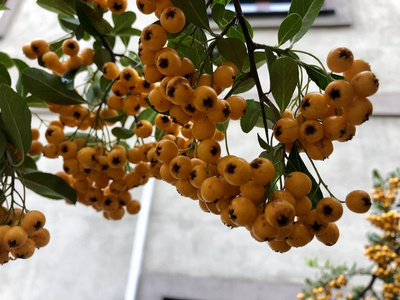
251,47
368,287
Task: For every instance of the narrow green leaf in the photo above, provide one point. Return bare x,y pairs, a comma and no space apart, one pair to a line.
36,102
21,66
147,114
127,32
270,118
220,2
317,75
159,134
377,175
49,185
29,165
89,19
62,7
233,50
263,144
6,60
68,23
374,238
259,58
3,7
276,155
16,118
57,47
295,163
284,78
116,118
245,86
217,13
49,87
289,27
122,133
308,10
3,143
123,21
101,57
249,119
4,75
270,56
223,126
195,12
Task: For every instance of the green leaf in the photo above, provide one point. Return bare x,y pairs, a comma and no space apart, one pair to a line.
317,75
57,47
3,7
245,86
147,114
270,56
220,2
270,118
36,102
49,87
21,66
276,155
101,57
116,118
16,118
217,13
3,143
123,21
249,119
374,238
127,32
259,58
4,75
235,31
159,134
223,126
284,78
68,23
29,165
233,50
289,27
62,7
6,60
308,11
295,163
122,133
195,12
49,185
89,19
263,144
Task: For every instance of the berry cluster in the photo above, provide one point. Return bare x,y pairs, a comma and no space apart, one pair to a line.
334,114
189,108
21,233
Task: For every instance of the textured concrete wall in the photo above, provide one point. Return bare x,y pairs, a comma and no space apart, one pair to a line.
88,257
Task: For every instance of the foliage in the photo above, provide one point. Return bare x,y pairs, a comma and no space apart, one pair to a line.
383,250
183,86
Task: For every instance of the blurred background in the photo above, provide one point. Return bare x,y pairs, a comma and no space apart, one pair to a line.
188,254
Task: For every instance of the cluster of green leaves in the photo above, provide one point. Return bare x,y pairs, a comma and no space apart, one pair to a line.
328,272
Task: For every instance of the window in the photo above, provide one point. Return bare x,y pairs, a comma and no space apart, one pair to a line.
270,13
